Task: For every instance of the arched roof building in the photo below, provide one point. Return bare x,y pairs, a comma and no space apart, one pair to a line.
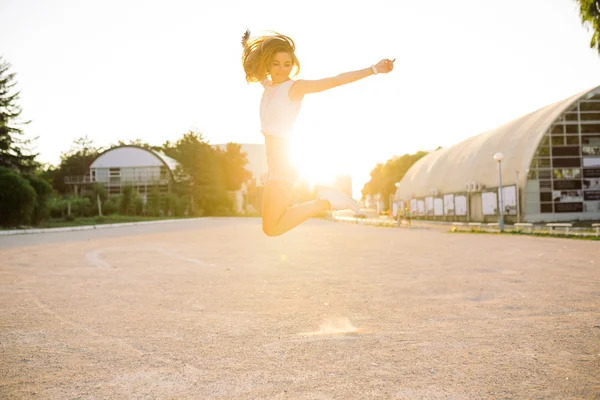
551,155
130,156
135,166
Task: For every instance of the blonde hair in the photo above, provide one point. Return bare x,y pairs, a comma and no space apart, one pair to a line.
259,52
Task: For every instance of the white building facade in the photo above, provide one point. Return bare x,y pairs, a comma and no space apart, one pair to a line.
550,171
138,167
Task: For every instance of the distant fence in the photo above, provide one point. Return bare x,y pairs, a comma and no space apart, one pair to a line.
558,228
122,181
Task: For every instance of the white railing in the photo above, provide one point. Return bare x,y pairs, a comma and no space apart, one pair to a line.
114,181
76,180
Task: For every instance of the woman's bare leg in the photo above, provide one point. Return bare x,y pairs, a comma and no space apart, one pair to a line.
278,216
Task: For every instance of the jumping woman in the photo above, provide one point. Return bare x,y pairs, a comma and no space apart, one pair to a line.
273,56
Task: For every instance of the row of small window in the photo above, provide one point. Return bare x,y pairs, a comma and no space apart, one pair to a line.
559,129
589,105
565,162
116,172
563,173
585,184
549,208
140,189
558,207
568,151
587,138
541,162
560,141
569,196
582,116
565,140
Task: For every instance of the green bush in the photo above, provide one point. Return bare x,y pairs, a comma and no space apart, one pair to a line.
57,207
82,207
174,205
153,205
139,205
111,205
97,192
43,191
17,199
128,200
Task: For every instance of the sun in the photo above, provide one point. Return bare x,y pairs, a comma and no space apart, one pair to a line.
322,157
314,162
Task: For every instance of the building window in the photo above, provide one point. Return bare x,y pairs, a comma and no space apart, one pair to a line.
546,197
572,129
545,174
565,151
567,161
114,175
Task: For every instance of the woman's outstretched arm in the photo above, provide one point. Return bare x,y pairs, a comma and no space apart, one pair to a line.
303,87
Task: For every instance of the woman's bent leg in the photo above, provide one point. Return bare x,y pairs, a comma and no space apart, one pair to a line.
278,216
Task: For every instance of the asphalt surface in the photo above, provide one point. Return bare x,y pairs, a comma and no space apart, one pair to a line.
213,309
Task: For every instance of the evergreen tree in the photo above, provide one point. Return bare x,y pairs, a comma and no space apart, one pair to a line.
13,151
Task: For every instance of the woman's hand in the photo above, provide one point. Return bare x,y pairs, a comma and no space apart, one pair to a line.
384,66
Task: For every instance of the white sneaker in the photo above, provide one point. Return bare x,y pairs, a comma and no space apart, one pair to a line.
337,199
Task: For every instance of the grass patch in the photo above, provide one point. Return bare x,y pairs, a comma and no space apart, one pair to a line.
574,235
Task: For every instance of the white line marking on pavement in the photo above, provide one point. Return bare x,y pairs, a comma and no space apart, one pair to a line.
191,260
94,258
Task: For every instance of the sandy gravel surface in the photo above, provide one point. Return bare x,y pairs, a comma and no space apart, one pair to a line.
213,309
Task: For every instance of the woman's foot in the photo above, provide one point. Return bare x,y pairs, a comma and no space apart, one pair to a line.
337,200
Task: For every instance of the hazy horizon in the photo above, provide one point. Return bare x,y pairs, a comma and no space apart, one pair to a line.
144,70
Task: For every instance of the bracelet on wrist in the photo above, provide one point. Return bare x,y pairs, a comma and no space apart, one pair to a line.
375,72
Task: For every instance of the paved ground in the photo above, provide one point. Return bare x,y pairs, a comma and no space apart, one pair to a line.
213,309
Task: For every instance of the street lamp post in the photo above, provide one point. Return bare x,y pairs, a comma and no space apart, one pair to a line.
518,199
499,157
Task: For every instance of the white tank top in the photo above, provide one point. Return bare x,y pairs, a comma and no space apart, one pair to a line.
278,113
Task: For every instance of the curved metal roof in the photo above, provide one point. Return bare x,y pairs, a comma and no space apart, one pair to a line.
168,161
448,170
132,156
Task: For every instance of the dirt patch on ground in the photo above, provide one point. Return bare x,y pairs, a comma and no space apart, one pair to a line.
215,310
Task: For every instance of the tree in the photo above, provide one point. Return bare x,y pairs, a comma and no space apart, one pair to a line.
137,142
13,153
385,176
43,191
75,162
154,200
129,198
199,175
233,163
17,198
98,194
589,12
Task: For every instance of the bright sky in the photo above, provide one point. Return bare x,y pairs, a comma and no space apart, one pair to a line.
154,69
